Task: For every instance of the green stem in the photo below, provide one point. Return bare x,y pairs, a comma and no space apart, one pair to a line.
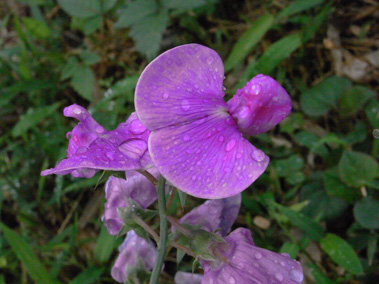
162,244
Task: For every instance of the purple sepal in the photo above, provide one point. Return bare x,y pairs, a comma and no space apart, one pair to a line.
133,251
260,105
197,139
117,190
215,214
187,278
241,262
92,148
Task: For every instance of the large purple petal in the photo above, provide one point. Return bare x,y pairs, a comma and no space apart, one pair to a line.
207,158
117,190
215,214
241,262
181,85
92,148
260,105
187,278
133,251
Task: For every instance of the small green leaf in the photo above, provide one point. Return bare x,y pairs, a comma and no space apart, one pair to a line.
335,187
37,28
88,57
26,255
81,8
88,276
287,167
33,117
147,33
341,253
185,5
276,53
297,7
290,248
319,276
248,40
87,25
366,212
83,81
134,12
323,96
292,122
372,113
105,245
354,99
310,140
70,68
356,169
313,25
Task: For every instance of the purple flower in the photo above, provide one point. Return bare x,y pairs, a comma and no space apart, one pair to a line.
117,192
92,148
187,278
197,138
239,261
215,214
135,253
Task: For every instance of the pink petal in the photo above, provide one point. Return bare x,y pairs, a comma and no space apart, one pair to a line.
207,158
260,105
182,84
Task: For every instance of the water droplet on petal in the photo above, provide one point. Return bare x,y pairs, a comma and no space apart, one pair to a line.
77,111
186,137
221,138
81,150
165,96
258,255
256,89
258,155
239,156
285,254
185,105
230,145
232,280
279,276
296,275
136,127
244,112
194,177
229,121
209,59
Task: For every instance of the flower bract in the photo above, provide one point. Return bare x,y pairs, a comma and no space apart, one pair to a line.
197,140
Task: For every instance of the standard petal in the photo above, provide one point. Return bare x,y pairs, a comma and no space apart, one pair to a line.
215,214
124,148
136,187
207,158
133,251
260,105
179,86
187,278
243,263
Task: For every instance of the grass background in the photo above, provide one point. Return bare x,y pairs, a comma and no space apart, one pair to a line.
318,199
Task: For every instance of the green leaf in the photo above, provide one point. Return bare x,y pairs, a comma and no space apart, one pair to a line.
83,81
286,167
323,96
105,245
372,113
292,122
88,57
33,117
358,134
276,53
366,212
313,230
310,140
37,28
81,8
248,40
356,169
297,7
290,248
88,276
313,25
335,187
354,99
26,255
70,68
319,276
87,25
341,253
148,33
135,12
182,197
186,5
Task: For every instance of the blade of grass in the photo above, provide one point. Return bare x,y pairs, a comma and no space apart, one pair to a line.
26,255
296,7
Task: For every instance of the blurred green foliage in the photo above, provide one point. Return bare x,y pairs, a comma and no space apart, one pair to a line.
320,192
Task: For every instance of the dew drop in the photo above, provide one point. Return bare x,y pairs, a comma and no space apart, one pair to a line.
209,60
256,89
279,276
258,155
194,177
258,255
285,254
229,121
282,263
136,127
77,111
99,129
232,280
239,156
244,112
296,275
81,150
165,96
186,137
185,105
230,145
221,138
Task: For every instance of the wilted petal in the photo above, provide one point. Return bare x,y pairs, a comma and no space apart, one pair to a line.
187,278
181,85
117,190
215,214
207,158
241,262
260,105
92,148
133,251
